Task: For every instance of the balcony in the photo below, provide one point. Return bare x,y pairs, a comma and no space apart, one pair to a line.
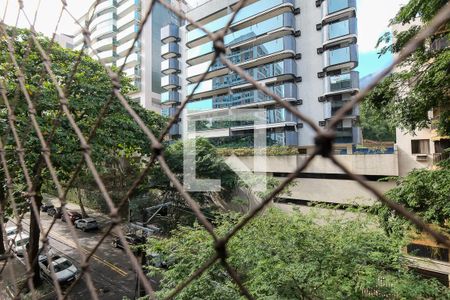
277,71
271,28
253,55
126,20
104,44
336,9
132,60
170,66
126,7
104,6
340,31
175,129
171,81
106,56
170,33
341,58
168,111
170,97
170,50
248,15
343,83
104,30
122,49
102,18
125,35
248,98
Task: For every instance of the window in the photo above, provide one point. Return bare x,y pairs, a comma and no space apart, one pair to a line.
435,253
420,146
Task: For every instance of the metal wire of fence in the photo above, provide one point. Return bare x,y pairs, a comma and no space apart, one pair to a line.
323,146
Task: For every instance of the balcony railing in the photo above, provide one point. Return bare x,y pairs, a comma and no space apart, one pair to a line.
171,81
170,33
245,15
170,50
284,21
170,66
347,82
269,51
333,8
281,70
339,58
339,31
170,97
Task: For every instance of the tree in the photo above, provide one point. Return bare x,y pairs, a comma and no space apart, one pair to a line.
422,82
209,165
87,92
425,192
290,256
374,126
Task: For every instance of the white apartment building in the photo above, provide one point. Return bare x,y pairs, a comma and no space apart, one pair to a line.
304,51
114,26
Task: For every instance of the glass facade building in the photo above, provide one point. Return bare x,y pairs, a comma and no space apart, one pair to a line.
266,39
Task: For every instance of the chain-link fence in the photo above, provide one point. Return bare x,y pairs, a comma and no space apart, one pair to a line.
323,147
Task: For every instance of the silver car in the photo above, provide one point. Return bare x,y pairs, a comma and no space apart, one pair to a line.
65,271
86,224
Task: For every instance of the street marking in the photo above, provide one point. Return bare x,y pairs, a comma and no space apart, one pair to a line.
72,244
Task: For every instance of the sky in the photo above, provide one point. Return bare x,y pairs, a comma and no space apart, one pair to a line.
373,19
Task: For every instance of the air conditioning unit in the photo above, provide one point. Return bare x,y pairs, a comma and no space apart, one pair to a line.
422,157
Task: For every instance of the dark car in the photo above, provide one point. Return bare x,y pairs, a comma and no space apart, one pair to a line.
132,240
86,224
46,206
73,216
55,212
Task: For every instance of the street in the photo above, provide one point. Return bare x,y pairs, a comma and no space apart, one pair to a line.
111,271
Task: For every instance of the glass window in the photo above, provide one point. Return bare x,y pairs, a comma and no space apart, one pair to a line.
244,34
420,146
244,13
340,82
338,29
336,5
340,55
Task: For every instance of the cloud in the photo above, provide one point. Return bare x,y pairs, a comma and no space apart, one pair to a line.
373,20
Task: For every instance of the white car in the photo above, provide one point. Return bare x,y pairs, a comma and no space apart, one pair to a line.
20,243
64,270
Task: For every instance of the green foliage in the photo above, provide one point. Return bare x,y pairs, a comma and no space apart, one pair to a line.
289,256
422,82
89,90
425,192
270,151
375,127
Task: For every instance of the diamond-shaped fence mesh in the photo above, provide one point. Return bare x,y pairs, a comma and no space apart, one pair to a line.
324,142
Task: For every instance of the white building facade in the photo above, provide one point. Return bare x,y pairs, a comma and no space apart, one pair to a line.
114,26
303,51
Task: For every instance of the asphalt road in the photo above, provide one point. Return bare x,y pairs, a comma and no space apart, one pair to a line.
111,271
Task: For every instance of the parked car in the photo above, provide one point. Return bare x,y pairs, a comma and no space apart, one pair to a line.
132,240
73,216
55,212
86,224
11,232
20,243
65,271
46,206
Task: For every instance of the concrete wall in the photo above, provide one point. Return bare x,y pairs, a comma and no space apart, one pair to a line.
335,191
407,160
373,164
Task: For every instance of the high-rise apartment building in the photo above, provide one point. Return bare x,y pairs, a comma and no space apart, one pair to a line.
303,51
114,26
